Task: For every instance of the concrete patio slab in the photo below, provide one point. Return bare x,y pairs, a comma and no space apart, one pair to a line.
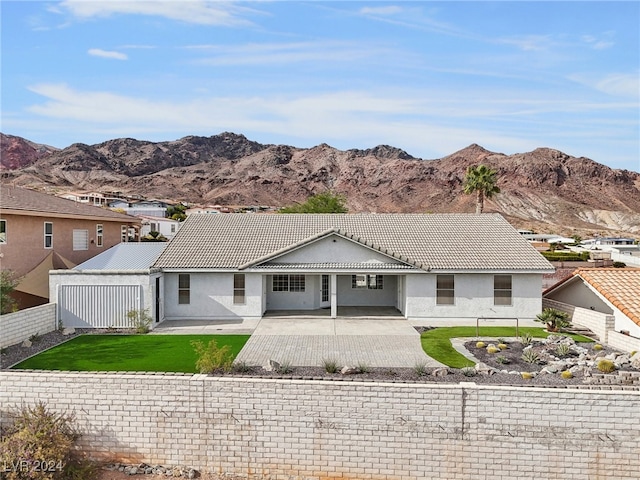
210,327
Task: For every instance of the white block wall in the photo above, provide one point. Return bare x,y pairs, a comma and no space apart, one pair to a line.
624,342
599,323
19,326
295,429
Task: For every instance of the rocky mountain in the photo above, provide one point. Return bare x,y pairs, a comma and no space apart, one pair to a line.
16,152
545,190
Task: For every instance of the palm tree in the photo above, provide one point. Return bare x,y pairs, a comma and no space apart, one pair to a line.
482,180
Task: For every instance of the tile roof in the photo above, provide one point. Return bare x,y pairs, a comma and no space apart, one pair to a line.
25,200
430,241
621,286
371,266
125,256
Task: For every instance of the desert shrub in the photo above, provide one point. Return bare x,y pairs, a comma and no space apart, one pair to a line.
468,371
420,369
598,347
527,375
330,365
606,366
242,367
492,349
39,445
502,359
212,358
530,356
526,339
619,265
562,350
363,367
480,345
140,320
502,346
554,319
34,338
566,374
285,367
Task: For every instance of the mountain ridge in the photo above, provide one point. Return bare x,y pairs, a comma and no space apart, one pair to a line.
544,189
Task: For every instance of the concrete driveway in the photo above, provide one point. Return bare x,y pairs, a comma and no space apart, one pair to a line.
306,341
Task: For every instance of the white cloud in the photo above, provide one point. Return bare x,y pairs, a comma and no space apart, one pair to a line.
190,11
388,10
617,84
96,52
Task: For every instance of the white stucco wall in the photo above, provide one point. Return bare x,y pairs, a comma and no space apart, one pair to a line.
357,297
307,300
578,294
334,249
473,297
212,297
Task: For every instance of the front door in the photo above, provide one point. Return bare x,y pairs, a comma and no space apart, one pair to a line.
325,297
157,299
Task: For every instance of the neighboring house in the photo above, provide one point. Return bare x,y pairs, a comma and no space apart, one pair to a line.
166,226
91,198
99,292
40,232
205,209
605,243
547,238
150,208
429,267
608,291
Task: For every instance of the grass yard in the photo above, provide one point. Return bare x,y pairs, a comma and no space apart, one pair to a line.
133,353
437,342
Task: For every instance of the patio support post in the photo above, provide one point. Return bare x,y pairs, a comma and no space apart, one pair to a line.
334,295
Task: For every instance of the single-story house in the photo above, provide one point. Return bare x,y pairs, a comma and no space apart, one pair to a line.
167,227
609,291
101,291
428,267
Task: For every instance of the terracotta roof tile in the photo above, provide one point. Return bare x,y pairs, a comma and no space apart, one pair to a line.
621,286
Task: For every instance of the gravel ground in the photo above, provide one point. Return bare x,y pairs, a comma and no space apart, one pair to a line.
16,353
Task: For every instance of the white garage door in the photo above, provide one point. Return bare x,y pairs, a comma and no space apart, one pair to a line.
98,306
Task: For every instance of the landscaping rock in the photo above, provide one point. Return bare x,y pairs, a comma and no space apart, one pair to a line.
347,370
68,331
26,344
272,366
635,360
484,369
440,372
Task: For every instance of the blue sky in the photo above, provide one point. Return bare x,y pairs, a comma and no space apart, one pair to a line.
427,77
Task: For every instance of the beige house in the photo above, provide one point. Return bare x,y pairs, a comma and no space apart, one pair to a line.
40,232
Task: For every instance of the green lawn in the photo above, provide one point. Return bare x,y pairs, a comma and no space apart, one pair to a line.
139,353
437,342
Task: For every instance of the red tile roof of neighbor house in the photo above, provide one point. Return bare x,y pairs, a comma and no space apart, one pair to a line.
29,202
621,286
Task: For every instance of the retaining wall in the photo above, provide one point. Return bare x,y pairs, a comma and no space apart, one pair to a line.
303,429
599,323
623,342
19,326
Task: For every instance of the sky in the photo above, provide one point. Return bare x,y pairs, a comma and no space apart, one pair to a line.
428,77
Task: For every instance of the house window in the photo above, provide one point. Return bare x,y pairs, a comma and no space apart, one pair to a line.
445,290
502,290
238,289
184,288
3,232
124,233
372,282
48,235
81,239
99,235
288,283
325,288
173,228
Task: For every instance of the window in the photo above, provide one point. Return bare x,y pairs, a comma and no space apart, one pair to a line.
238,289
184,288
124,233
48,235
3,232
81,239
372,282
99,235
288,283
173,228
502,290
445,290
325,288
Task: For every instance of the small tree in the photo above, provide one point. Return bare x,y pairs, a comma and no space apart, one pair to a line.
554,319
8,284
325,202
480,180
140,320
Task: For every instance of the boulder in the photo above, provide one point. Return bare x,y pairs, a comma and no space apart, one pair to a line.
484,369
26,344
272,366
440,372
68,331
635,360
347,370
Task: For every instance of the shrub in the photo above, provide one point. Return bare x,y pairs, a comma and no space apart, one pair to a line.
606,366
363,368
330,365
526,339
285,367
492,349
139,320
480,345
502,359
562,350
469,371
502,340
242,367
527,375
554,319
530,356
34,338
502,346
212,358
619,265
420,369
566,374
38,435
598,347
